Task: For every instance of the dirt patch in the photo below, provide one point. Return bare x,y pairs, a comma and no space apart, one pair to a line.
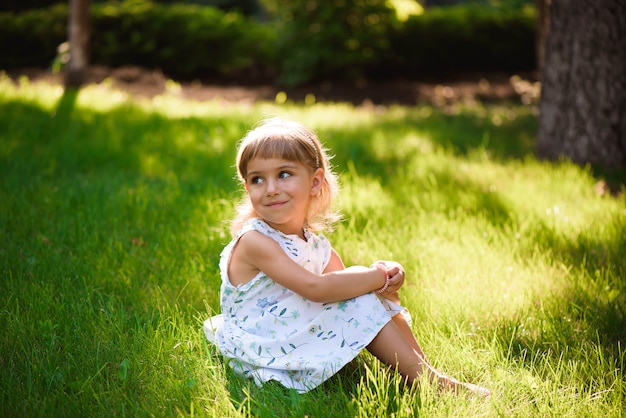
149,83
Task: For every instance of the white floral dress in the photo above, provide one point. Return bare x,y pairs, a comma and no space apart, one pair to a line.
269,332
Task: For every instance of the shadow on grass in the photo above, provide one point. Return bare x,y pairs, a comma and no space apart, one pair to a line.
459,135
66,104
342,395
501,134
83,166
591,310
123,161
274,399
95,215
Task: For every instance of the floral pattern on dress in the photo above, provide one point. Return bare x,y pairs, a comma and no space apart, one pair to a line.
271,333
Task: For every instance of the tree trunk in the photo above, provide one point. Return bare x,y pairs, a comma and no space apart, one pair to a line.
582,112
78,35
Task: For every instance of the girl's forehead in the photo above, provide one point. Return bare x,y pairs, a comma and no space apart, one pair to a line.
269,163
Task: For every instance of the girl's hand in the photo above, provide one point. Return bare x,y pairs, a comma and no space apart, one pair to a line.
395,272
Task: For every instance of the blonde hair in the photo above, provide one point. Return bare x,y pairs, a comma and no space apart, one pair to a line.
292,141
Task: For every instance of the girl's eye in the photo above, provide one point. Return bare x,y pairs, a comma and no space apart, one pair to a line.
255,180
284,174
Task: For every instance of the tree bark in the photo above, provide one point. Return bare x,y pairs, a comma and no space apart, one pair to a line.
78,36
582,111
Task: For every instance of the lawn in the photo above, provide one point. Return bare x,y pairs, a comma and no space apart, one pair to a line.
113,212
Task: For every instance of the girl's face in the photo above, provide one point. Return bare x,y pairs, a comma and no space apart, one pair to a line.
280,192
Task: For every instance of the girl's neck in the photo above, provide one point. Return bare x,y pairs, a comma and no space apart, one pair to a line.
286,230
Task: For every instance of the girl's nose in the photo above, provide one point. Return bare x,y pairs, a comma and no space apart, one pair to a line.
272,187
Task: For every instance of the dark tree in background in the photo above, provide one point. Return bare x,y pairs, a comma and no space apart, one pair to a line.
582,113
78,37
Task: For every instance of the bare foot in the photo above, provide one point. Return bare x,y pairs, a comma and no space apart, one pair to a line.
448,383
475,390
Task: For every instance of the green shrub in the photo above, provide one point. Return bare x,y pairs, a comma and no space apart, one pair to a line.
321,39
31,38
305,40
464,38
183,40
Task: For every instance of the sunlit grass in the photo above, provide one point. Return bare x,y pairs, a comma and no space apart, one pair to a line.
113,212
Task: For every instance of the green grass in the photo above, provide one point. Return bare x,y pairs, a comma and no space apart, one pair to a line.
113,213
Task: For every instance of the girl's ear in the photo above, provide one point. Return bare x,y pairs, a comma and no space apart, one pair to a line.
317,181
245,184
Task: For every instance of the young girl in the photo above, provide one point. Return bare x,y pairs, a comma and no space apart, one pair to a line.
291,311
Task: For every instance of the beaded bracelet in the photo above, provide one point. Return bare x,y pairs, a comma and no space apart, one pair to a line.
382,270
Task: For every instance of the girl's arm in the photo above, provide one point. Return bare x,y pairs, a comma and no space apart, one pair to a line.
255,252
394,271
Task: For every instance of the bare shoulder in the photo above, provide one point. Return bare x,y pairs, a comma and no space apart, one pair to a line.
253,243
244,261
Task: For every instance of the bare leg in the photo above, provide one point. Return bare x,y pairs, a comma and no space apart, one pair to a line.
403,326
407,333
392,347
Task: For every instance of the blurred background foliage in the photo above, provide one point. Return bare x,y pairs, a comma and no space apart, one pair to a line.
287,42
